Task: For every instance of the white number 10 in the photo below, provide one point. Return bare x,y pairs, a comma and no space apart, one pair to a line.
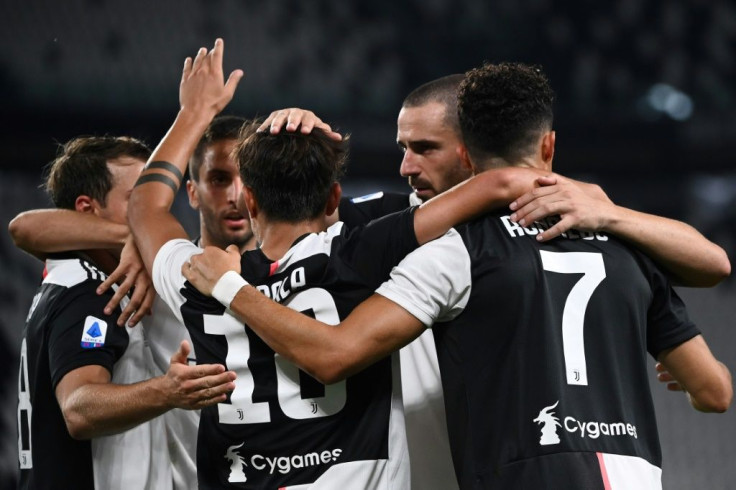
573,314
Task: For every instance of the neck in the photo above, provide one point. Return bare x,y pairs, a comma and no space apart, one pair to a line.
526,162
276,238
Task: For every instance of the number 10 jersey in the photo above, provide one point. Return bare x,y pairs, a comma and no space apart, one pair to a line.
280,428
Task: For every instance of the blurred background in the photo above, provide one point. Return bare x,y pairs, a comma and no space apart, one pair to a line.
646,99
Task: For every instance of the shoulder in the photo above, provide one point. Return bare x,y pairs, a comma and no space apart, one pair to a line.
71,272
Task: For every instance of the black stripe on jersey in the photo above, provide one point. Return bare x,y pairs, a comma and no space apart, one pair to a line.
93,273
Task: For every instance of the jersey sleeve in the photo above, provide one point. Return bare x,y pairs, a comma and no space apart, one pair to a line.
433,282
167,277
359,211
668,323
373,250
81,334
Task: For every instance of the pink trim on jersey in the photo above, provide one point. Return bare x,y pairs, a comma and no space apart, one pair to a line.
604,473
272,271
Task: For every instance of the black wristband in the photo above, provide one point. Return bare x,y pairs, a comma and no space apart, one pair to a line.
166,166
164,179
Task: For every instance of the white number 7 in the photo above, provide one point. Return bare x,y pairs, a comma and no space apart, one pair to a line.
573,314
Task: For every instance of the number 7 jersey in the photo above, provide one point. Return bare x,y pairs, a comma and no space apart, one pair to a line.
280,428
545,370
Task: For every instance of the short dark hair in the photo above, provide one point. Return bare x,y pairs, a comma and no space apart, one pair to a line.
503,109
80,167
290,173
221,128
442,90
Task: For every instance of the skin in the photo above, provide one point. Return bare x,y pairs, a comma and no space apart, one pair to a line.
90,404
431,160
215,194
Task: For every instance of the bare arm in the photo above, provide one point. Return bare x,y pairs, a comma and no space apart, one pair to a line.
44,231
694,369
479,194
94,407
329,353
202,95
689,257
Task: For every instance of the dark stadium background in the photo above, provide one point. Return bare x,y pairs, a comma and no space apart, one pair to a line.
646,106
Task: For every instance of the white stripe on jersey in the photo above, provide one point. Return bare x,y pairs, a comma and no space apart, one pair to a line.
70,272
621,472
414,286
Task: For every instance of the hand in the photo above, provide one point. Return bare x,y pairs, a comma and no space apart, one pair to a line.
664,376
580,205
194,387
134,277
202,87
205,269
294,118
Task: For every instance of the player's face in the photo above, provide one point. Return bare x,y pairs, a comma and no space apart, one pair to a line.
216,195
431,150
125,172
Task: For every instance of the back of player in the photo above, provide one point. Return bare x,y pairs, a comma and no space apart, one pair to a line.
281,428
545,372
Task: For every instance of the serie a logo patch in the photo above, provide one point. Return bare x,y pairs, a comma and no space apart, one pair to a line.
93,333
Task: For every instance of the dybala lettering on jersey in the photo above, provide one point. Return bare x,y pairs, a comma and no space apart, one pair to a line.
93,333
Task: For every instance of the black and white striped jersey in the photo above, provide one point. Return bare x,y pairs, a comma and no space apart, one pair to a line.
424,404
280,428
545,370
67,329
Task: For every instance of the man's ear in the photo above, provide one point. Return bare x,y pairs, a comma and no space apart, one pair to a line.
250,202
85,204
192,194
333,200
548,148
462,153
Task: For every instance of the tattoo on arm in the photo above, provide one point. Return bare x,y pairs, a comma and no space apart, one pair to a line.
164,179
165,166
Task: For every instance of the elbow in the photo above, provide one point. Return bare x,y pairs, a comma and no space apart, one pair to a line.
716,399
329,373
77,426
721,268
18,233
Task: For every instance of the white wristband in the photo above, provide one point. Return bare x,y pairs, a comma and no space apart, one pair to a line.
227,287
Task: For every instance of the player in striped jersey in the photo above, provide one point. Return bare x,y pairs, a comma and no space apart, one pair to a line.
281,428
80,376
543,345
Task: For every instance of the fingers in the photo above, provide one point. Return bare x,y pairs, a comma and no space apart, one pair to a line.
232,82
187,69
186,271
182,354
198,60
554,231
522,201
146,297
233,249
111,279
122,290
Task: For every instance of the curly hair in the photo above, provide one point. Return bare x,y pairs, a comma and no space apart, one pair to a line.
81,167
503,109
290,174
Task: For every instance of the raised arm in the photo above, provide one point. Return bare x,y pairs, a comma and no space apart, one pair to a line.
41,232
692,368
689,258
203,93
